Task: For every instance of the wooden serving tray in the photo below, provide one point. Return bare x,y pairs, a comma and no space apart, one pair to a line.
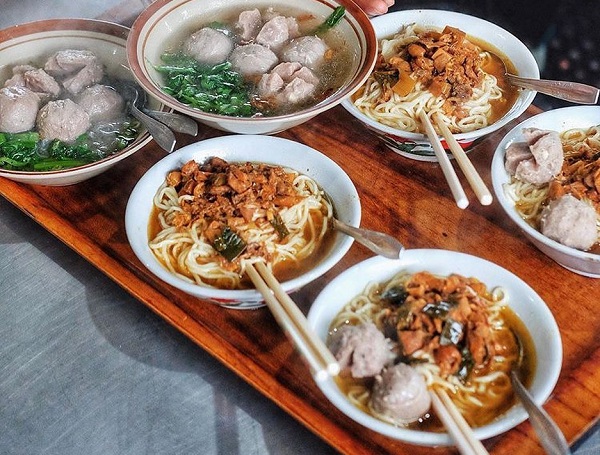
408,199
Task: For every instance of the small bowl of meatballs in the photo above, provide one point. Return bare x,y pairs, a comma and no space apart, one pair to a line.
255,67
63,112
435,321
546,176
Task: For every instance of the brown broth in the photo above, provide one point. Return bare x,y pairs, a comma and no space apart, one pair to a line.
284,271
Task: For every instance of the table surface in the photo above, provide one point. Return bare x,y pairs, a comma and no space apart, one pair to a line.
87,367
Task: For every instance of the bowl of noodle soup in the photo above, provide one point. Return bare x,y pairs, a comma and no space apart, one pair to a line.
524,203
389,102
355,297
187,252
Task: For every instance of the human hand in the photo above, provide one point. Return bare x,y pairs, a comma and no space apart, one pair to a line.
374,7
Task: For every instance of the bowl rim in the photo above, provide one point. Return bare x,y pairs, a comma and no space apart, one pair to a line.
500,176
157,10
147,185
96,26
514,112
360,273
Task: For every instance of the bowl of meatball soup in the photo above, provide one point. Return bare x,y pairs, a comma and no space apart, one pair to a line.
63,116
251,67
546,176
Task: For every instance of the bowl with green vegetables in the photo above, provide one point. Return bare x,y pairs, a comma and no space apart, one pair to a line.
251,67
62,117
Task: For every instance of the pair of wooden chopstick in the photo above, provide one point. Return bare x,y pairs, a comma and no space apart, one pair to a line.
293,322
457,427
473,177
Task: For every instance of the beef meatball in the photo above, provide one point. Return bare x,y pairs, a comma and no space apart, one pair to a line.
252,59
208,46
307,50
102,103
63,120
400,395
360,350
18,109
571,222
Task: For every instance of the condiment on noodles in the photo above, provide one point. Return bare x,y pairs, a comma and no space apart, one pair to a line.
442,73
454,332
213,218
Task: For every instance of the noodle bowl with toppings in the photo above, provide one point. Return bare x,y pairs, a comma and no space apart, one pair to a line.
297,188
214,218
446,63
363,304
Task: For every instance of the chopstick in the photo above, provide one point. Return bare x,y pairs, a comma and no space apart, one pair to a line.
455,187
475,180
457,427
293,322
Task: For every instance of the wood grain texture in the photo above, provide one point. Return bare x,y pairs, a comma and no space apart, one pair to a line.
407,199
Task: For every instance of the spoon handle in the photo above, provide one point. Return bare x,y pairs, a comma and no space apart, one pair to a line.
565,90
378,242
160,132
550,436
177,122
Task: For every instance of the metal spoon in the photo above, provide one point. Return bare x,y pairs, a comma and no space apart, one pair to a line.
378,242
550,436
564,90
160,132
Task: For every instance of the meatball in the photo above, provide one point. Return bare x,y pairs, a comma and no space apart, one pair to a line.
89,75
571,222
400,395
307,50
69,61
252,59
539,159
277,31
208,46
18,109
361,350
288,83
248,24
63,120
102,103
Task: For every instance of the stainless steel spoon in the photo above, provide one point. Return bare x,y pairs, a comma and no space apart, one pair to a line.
160,132
550,436
378,242
564,90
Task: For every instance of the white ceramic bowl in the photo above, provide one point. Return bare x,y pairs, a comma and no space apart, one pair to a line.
267,149
31,41
581,262
523,300
416,145
167,18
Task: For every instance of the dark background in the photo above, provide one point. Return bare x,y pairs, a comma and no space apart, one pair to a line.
563,36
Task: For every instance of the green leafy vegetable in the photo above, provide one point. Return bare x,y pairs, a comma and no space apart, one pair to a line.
229,244
332,20
27,152
279,225
214,89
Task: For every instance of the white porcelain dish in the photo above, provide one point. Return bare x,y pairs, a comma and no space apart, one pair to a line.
416,145
164,19
241,148
523,300
581,262
34,40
